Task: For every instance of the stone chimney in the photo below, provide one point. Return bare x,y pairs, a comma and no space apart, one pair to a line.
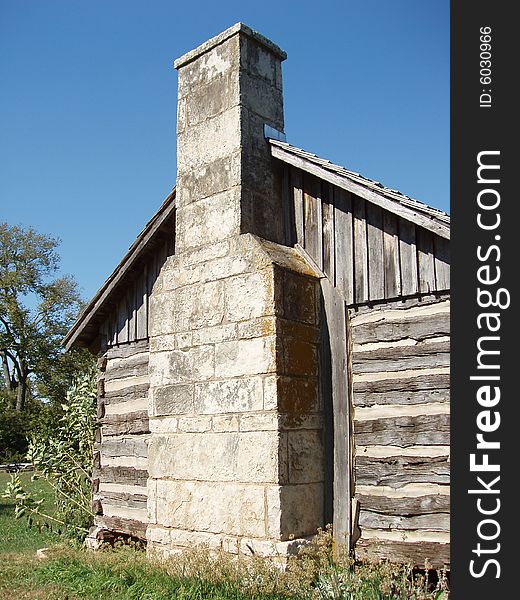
235,454
229,87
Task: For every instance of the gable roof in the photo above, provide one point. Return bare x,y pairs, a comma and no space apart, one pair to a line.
89,320
412,210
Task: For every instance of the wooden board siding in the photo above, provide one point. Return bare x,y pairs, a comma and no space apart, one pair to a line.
400,394
368,252
128,320
120,453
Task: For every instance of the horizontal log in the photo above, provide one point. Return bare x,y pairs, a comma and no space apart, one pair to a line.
419,328
114,418
123,371
397,471
404,431
414,553
432,381
124,526
405,505
130,446
123,475
430,522
132,392
131,500
420,300
422,396
401,358
126,350
131,427
126,423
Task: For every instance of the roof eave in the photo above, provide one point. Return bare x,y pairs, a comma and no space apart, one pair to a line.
430,223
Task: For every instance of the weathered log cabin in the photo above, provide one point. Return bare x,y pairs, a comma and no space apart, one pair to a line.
274,347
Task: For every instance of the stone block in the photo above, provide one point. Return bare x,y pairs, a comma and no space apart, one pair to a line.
225,423
265,421
213,335
245,357
160,343
209,179
305,456
258,327
294,510
250,457
228,508
209,220
158,535
208,141
229,396
194,424
172,400
163,425
181,366
299,300
298,358
212,541
270,392
257,60
213,98
297,396
249,296
263,100
208,66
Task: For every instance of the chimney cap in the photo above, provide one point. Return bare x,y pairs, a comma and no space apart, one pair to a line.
222,37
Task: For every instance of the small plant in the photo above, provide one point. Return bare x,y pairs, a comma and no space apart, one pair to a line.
63,458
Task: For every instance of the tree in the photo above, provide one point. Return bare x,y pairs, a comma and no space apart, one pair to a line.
37,307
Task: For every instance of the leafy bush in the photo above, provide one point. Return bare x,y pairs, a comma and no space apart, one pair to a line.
63,457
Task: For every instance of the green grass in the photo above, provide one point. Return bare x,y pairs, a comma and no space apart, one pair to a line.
15,535
74,573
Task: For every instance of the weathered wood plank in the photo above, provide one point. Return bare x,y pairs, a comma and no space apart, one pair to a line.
418,328
125,526
132,392
441,248
408,258
130,446
404,385
122,320
424,360
371,398
297,192
388,352
425,260
125,426
396,471
404,431
141,307
128,350
313,220
401,304
405,505
392,268
416,553
123,475
125,369
360,250
335,316
431,522
344,240
441,229
124,499
328,230
376,261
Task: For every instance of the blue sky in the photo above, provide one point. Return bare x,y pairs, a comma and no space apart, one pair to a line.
88,105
